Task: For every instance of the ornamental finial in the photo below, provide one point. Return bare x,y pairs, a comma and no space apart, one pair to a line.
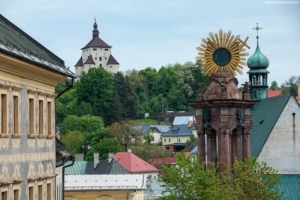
257,29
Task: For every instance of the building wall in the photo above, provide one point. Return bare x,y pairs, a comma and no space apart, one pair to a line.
282,148
104,195
175,139
152,174
27,158
96,54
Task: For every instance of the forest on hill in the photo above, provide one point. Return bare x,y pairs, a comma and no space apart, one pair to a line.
131,94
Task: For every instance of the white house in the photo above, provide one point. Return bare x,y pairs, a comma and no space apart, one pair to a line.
96,54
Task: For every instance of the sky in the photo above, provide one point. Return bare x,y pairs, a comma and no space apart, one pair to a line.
157,33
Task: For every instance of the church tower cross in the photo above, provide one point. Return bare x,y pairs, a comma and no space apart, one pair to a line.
257,29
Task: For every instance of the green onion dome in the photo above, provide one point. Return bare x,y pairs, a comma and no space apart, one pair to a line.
258,60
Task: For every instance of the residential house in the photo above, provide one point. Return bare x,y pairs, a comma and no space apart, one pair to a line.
179,120
175,139
29,73
156,130
125,174
135,165
189,148
274,93
159,162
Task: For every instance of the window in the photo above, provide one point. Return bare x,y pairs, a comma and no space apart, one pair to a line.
49,116
49,191
95,49
31,116
100,58
41,117
153,138
106,49
165,140
152,130
179,140
40,192
16,195
110,66
169,140
3,113
16,114
100,65
95,58
4,195
105,58
30,193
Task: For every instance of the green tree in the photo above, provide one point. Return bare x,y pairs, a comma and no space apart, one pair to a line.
254,180
117,110
147,152
128,133
191,140
185,81
103,147
131,101
241,89
274,85
188,180
72,140
176,99
92,128
96,88
246,180
152,78
148,138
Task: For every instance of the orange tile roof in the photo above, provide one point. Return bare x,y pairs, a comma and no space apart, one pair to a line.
274,93
132,163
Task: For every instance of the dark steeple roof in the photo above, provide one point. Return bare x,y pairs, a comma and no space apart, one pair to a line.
112,60
79,63
90,60
96,41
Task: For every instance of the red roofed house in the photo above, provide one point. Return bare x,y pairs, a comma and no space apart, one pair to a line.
274,93
135,165
158,162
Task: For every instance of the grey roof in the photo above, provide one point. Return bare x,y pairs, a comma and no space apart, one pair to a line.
183,120
179,130
191,146
160,128
264,118
87,167
17,43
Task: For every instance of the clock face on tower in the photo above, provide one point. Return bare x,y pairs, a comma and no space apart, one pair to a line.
222,52
221,56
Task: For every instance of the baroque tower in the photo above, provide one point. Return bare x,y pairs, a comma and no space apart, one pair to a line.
96,54
258,74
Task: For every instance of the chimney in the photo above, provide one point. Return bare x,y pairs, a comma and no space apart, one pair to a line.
110,156
129,150
189,124
96,160
79,156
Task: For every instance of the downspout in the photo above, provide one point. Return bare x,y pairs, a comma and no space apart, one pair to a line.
63,177
63,169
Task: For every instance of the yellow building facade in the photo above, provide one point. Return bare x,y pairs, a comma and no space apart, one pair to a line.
29,74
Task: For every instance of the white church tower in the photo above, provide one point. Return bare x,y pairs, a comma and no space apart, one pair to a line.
96,54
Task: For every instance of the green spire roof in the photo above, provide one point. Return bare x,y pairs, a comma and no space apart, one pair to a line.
258,60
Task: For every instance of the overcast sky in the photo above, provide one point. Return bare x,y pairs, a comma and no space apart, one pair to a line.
155,33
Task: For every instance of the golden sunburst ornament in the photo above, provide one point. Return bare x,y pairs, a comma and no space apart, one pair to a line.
222,52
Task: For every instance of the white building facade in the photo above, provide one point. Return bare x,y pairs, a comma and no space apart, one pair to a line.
96,54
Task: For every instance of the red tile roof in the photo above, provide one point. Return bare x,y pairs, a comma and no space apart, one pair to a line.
274,93
96,42
158,162
132,163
